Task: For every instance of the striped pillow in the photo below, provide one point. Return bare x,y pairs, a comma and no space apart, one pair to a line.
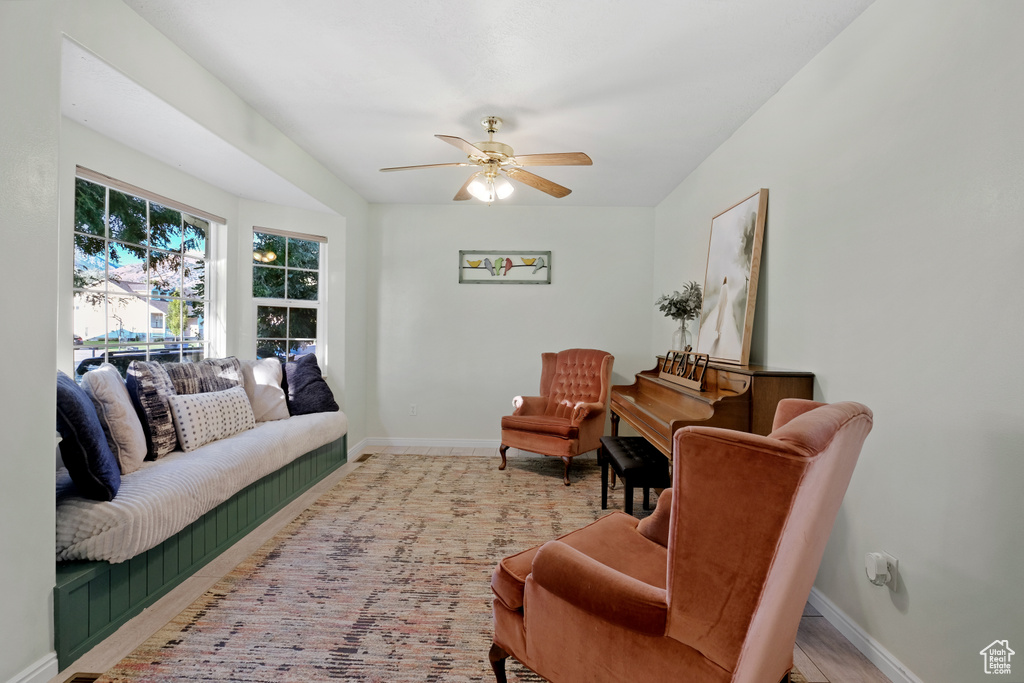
149,387
202,418
211,374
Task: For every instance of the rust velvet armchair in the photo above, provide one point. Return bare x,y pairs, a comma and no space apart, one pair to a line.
568,417
711,587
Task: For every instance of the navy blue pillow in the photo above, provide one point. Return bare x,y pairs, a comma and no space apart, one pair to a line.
305,388
83,446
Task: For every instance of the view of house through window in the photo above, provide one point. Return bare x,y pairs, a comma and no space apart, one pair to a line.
286,277
140,280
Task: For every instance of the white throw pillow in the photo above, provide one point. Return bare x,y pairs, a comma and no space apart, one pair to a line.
202,418
263,387
121,423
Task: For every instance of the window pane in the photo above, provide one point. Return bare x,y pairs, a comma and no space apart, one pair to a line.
303,284
90,261
302,323
268,248
173,319
196,230
90,320
165,272
127,320
267,282
303,254
271,321
90,207
300,347
122,254
195,278
127,218
164,227
194,321
269,348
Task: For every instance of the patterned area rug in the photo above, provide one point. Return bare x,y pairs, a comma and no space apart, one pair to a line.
384,578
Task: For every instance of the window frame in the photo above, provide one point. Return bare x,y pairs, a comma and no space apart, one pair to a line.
148,293
319,304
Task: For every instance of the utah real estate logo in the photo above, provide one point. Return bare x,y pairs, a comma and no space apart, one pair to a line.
997,657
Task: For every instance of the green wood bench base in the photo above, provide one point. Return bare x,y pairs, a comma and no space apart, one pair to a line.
93,599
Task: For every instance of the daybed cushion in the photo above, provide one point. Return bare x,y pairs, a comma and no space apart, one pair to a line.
202,418
91,466
263,386
161,498
149,386
307,390
120,423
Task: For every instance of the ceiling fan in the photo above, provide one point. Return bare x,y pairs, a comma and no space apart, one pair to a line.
497,160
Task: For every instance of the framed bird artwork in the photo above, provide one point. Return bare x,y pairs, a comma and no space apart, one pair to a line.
504,267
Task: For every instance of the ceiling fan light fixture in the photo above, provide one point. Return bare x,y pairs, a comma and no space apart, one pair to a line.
481,188
502,187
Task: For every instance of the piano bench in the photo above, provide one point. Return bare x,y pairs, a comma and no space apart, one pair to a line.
637,463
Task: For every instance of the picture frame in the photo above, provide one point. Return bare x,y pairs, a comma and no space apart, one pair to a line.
507,267
730,280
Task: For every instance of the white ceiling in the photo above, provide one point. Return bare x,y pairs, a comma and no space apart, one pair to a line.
647,88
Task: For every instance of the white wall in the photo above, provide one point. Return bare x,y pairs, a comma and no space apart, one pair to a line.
29,109
891,270
462,352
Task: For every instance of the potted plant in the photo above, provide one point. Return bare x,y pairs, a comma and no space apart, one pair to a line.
682,306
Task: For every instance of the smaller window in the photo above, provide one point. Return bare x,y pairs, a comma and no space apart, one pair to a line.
286,275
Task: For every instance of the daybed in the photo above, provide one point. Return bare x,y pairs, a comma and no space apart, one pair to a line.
169,516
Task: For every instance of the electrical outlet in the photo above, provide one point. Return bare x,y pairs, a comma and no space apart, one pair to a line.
882,569
412,409
894,570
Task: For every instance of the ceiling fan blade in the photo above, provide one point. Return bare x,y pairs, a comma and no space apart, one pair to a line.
407,168
558,159
466,147
463,193
536,182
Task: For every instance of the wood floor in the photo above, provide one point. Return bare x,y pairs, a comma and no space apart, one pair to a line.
821,654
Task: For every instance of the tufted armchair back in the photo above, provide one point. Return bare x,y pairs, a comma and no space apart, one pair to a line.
573,376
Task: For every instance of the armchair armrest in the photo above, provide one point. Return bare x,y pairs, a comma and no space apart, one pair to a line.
529,405
583,411
600,590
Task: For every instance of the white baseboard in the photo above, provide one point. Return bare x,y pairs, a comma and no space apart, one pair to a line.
40,672
860,639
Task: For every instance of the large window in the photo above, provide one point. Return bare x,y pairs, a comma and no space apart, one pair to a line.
287,274
140,278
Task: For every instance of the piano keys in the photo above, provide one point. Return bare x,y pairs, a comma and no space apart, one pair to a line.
741,397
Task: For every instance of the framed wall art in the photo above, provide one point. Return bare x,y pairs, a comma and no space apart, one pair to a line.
504,267
730,280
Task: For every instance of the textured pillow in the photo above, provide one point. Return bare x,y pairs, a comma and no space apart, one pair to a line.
120,422
83,446
202,418
211,374
307,390
149,386
263,386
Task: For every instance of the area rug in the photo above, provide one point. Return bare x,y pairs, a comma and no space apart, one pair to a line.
384,578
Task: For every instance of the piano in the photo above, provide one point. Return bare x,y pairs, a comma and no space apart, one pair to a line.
741,397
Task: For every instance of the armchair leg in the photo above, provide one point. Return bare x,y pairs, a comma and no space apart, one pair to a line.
498,656
502,451
568,461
